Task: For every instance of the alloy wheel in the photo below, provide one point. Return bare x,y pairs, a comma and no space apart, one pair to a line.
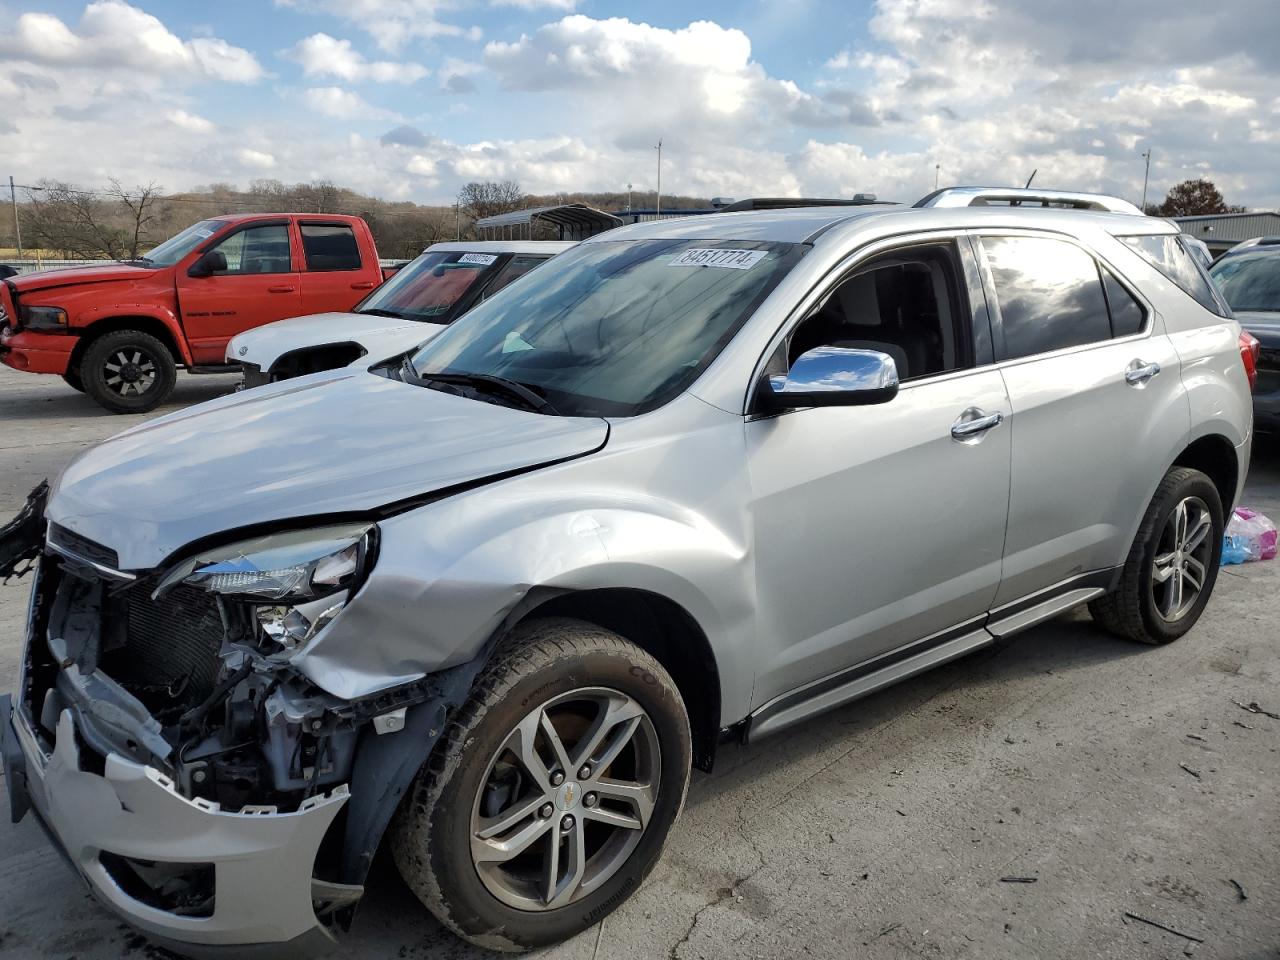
565,799
1182,558
129,371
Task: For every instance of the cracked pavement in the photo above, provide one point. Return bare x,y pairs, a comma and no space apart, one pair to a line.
881,830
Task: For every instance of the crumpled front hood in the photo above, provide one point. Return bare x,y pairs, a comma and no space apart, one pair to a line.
67,276
335,442
266,344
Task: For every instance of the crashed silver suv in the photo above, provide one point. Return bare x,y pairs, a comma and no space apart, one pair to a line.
486,604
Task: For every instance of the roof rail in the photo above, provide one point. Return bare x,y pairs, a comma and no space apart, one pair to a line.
1015,197
783,203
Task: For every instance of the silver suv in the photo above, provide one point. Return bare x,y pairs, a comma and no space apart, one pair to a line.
487,604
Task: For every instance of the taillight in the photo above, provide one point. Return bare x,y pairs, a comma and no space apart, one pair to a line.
1249,349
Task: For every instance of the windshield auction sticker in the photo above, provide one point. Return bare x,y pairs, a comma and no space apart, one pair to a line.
480,259
725,259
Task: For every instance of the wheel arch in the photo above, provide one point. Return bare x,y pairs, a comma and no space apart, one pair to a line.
662,628
1215,457
152,325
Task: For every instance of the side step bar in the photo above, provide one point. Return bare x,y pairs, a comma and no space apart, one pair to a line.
933,651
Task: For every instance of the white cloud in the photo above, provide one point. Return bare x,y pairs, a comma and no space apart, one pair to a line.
640,82
565,5
337,102
256,159
190,122
113,36
323,55
392,23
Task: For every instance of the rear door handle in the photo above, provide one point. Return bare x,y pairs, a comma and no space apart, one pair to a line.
363,285
973,423
283,288
1139,372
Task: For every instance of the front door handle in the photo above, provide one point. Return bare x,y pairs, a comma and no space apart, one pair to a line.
282,288
1139,372
973,423
363,285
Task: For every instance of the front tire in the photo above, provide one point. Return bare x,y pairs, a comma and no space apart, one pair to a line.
128,371
552,792
1173,564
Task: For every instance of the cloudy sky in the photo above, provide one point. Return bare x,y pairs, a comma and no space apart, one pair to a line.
410,98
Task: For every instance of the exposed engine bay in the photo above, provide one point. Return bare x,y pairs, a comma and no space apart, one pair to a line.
197,684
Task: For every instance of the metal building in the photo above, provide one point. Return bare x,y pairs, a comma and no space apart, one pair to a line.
1222,231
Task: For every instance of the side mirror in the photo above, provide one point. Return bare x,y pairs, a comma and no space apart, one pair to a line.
214,261
833,377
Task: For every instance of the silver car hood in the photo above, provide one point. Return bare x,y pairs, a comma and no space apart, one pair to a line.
335,442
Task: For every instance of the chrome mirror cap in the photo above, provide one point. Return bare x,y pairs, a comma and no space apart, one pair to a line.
835,377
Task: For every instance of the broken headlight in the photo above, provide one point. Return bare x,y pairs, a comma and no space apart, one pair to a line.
295,582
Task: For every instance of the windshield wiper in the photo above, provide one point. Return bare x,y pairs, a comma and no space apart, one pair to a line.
483,381
379,312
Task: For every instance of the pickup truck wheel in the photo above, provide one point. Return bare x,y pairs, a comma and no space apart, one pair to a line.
1173,564
552,791
128,371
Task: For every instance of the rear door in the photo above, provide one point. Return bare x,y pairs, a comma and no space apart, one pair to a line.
1096,393
334,275
260,285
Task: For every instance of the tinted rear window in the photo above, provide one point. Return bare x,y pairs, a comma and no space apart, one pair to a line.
1049,294
1127,315
330,247
1167,254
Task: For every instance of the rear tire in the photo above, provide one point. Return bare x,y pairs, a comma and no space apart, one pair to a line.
491,786
128,371
1173,563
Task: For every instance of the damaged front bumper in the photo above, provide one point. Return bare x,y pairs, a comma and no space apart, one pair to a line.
243,819
245,877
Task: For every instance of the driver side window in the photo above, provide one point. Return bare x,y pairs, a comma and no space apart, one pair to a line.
262,249
905,304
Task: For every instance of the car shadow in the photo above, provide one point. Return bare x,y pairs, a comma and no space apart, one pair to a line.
391,913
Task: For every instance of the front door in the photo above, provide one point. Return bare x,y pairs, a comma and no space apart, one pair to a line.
880,525
259,286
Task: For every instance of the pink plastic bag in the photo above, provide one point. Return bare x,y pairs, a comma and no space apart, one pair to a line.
1250,536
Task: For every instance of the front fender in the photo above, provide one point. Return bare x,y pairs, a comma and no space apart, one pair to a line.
429,605
86,318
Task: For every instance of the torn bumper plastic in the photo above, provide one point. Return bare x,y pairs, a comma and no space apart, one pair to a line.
260,862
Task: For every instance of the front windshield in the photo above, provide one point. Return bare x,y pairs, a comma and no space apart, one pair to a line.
1250,281
614,328
428,288
177,247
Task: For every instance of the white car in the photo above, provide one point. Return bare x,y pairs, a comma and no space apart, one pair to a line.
412,306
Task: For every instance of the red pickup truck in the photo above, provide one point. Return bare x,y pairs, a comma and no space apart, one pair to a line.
119,331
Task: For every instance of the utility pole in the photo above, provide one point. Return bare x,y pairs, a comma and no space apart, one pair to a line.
937,169
17,227
659,148
457,219
1145,178
628,198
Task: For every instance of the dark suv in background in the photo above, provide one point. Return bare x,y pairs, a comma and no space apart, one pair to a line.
1249,277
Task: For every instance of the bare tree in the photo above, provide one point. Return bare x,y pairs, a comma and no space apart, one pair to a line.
140,205
490,198
72,221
